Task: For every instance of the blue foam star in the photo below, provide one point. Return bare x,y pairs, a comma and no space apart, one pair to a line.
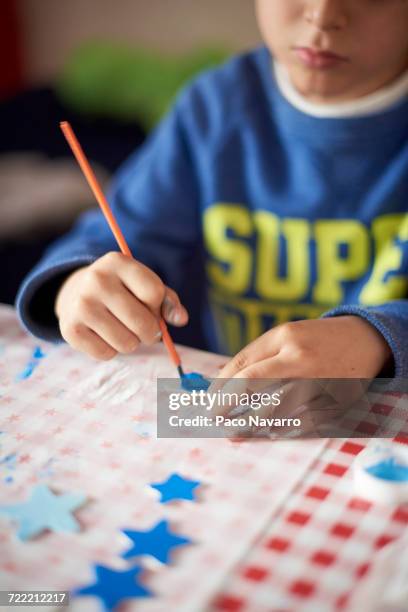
194,382
176,487
157,542
113,586
44,510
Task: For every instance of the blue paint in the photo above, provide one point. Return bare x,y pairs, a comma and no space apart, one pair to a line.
36,357
389,469
194,382
47,469
9,461
145,430
112,587
28,370
38,353
157,542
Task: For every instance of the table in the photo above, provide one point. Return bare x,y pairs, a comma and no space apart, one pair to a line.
276,526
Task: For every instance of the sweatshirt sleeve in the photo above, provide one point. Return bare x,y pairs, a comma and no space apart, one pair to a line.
391,321
155,200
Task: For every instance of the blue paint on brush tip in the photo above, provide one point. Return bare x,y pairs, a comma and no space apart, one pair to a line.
194,382
389,469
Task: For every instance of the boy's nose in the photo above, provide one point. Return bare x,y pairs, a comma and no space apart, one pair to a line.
326,15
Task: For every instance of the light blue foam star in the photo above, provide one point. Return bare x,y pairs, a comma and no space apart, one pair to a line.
44,510
176,487
113,586
158,542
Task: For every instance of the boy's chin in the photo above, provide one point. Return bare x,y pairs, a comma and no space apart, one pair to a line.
323,87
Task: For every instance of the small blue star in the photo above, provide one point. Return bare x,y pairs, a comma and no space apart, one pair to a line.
113,586
176,487
157,542
44,510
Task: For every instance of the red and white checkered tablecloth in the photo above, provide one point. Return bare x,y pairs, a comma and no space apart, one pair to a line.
319,545
276,527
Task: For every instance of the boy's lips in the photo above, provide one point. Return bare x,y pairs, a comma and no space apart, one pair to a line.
316,58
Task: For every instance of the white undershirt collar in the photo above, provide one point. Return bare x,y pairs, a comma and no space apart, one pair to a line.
367,105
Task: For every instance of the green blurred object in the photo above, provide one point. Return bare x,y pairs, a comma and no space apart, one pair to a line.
108,80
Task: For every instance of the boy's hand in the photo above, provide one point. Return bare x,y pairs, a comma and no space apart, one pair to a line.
341,347
113,305
345,347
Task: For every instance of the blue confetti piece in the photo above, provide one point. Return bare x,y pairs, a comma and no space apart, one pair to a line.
44,510
194,382
176,487
113,586
158,542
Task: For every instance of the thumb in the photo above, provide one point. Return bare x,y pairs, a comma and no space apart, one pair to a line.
172,309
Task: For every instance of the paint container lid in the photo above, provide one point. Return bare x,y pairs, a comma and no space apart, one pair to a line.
381,473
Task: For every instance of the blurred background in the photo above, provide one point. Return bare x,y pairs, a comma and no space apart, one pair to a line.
109,67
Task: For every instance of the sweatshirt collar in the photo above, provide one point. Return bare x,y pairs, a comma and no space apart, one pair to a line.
390,123
377,102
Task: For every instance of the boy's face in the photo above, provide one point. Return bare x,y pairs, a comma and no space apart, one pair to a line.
337,50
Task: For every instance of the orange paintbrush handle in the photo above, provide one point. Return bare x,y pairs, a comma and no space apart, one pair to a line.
106,209
95,186
169,344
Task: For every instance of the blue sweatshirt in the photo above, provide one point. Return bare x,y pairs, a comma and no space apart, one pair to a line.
272,215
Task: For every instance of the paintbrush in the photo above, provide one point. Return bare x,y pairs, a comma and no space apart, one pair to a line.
110,218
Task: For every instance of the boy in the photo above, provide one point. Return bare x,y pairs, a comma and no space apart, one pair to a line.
286,179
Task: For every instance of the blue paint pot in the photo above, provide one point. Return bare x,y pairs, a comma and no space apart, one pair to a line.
381,473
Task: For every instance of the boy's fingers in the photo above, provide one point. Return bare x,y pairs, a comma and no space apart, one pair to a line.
272,368
110,329
148,288
142,282
292,394
277,366
172,309
254,353
318,416
87,341
133,314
